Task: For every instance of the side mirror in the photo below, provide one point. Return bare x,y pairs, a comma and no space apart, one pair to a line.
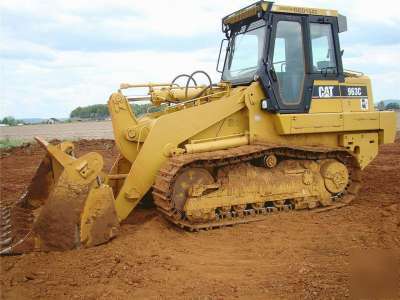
341,52
223,42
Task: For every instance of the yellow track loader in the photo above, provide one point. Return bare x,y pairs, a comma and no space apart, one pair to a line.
286,128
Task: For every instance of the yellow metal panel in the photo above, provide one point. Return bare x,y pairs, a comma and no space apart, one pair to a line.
282,123
387,124
327,122
352,105
309,123
363,145
326,106
235,124
361,121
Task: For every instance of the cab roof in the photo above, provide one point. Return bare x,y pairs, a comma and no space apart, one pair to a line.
263,6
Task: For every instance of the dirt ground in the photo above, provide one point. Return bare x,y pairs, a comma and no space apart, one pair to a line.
296,255
64,131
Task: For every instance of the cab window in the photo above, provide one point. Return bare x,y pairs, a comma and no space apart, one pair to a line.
323,49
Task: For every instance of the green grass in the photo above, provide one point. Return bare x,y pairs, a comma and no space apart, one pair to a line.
10,143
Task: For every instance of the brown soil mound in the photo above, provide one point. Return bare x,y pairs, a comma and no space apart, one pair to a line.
299,255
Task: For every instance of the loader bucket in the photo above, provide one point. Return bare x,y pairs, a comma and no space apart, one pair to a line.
66,206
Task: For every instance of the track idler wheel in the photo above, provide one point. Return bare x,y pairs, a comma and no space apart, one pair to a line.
185,182
336,176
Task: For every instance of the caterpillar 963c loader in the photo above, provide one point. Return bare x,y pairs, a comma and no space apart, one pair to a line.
286,128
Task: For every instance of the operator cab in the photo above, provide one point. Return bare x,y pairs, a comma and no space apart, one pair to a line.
286,48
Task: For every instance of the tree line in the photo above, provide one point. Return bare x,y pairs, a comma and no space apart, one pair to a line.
10,121
390,106
100,111
97,111
91,112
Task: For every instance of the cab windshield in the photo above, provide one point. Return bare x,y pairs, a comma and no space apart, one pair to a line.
245,52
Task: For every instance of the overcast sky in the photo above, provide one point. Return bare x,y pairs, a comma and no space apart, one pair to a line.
60,54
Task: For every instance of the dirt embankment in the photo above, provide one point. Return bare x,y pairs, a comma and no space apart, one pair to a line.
299,255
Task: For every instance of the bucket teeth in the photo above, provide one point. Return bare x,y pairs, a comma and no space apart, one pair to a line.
5,242
6,227
5,235
15,225
6,221
6,251
16,221
6,215
5,210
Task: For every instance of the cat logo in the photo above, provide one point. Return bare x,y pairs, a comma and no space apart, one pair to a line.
325,91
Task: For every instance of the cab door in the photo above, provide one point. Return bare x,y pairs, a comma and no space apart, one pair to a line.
286,65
